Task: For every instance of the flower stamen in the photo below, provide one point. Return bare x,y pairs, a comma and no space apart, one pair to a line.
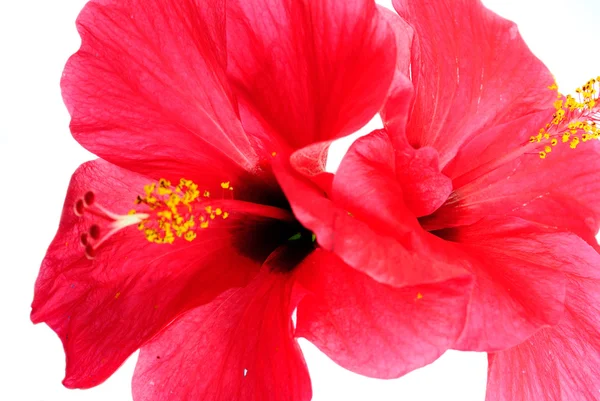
172,208
165,212
576,119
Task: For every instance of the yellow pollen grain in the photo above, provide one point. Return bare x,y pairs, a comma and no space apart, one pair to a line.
171,210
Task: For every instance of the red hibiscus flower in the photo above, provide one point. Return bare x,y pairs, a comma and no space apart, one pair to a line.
179,240
485,168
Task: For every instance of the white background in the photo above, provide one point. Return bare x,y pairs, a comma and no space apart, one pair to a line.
38,155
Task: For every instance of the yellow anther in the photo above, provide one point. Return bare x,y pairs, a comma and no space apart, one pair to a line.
558,104
574,143
419,296
273,154
172,211
225,215
148,189
167,214
164,191
574,120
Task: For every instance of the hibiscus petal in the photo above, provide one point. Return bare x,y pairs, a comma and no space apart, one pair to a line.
404,37
148,89
380,237
307,67
560,191
463,82
560,363
396,111
311,162
423,186
238,347
520,287
375,329
104,309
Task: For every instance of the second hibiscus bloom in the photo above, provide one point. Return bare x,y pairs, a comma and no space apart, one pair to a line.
483,167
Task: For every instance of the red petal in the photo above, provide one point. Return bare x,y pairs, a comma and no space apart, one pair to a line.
238,347
374,329
423,186
366,185
379,237
560,191
105,309
464,83
148,91
520,287
404,37
396,111
483,152
307,67
311,161
561,363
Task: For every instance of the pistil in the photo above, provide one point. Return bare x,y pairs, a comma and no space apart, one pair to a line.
106,224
